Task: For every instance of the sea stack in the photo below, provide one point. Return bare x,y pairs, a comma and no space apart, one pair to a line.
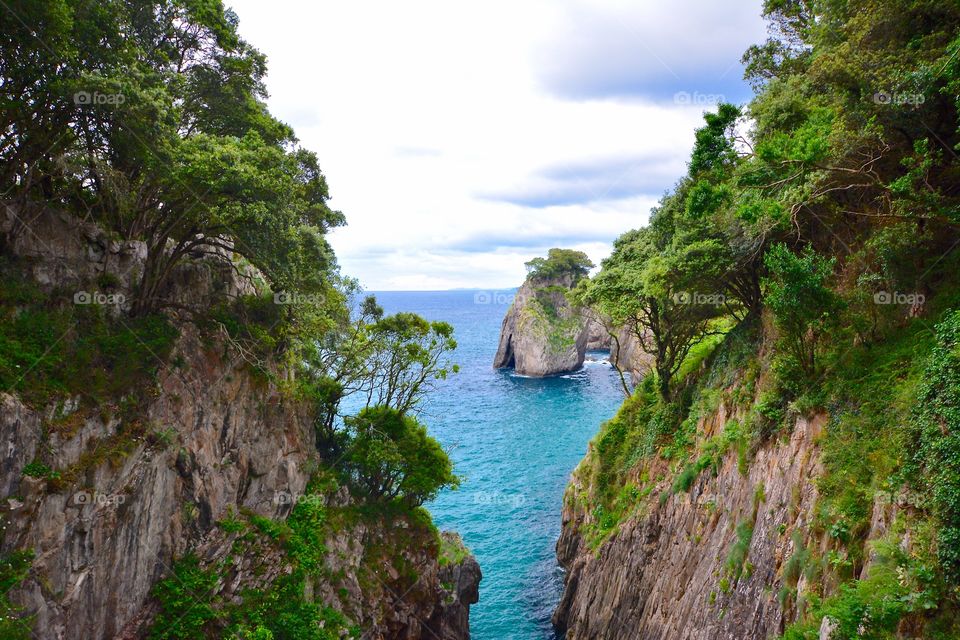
542,333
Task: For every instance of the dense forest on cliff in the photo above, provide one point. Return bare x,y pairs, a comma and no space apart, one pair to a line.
145,123
807,264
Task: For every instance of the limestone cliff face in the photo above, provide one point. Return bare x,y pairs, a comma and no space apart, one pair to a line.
139,491
664,574
542,334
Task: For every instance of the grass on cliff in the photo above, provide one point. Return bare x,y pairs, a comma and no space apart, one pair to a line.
51,347
645,427
452,550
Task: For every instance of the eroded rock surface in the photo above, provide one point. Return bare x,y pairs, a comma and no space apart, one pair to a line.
662,575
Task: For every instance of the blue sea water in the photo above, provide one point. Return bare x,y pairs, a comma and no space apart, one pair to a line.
515,441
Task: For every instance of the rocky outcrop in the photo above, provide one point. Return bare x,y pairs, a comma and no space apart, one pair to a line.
598,338
665,573
461,584
133,491
627,354
542,334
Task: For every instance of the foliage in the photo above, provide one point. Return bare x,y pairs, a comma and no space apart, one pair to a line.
393,361
737,556
642,287
452,550
190,606
802,303
390,456
51,347
898,584
934,465
151,119
14,567
185,602
559,263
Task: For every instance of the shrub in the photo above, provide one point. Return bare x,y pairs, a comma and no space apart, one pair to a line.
803,305
185,602
390,456
737,557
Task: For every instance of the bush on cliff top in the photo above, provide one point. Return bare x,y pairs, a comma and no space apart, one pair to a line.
559,263
391,457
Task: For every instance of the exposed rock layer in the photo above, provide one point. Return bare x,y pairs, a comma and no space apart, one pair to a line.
627,354
663,574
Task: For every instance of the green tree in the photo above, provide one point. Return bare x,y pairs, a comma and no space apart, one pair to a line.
392,361
803,304
559,263
647,288
391,456
149,117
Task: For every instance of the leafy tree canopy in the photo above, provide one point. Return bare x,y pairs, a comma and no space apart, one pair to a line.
391,457
559,263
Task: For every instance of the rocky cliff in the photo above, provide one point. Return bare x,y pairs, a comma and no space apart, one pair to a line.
727,513
542,334
205,462
667,572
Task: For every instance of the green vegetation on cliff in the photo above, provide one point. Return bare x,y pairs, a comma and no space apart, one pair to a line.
820,222
559,263
146,123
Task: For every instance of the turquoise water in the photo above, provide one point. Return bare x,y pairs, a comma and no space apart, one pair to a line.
515,441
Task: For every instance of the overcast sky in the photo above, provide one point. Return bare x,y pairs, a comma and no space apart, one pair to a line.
460,140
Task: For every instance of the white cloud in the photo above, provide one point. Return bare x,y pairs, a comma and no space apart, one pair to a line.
420,112
625,48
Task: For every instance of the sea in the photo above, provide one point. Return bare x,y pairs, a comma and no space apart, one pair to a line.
514,440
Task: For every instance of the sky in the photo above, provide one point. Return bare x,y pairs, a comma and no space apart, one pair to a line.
463,139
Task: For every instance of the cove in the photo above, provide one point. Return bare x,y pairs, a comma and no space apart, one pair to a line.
515,441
